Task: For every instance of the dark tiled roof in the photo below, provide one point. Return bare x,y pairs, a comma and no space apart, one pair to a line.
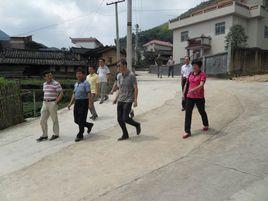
92,52
35,57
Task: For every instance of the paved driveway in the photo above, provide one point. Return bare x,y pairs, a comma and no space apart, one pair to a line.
230,162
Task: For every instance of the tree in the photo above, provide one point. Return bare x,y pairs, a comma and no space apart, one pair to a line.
236,37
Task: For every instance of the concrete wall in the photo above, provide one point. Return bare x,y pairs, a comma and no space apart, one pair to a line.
216,64
89,45
208,29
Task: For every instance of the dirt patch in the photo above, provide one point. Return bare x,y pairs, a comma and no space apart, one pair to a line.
253,78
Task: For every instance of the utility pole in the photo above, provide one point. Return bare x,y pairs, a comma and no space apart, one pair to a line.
136,43
129,34
117,27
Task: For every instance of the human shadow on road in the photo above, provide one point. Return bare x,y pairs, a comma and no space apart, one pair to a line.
143,138
210,132
94,137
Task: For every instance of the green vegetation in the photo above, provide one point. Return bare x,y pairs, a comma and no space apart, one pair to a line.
236,37
5,81
157,33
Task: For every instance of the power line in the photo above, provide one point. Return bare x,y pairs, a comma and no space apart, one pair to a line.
62,23
96,12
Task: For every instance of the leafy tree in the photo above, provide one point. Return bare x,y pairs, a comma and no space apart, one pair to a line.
236,37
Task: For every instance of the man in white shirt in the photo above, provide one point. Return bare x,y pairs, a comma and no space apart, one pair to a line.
104,73
186,69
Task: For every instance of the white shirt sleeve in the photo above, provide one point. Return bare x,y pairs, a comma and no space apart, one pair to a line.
107,70
182,70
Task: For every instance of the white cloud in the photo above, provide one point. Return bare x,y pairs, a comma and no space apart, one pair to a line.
21,16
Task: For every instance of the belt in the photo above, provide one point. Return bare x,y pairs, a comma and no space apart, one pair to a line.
47,100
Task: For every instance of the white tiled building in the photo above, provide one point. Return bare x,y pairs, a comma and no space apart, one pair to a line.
202,30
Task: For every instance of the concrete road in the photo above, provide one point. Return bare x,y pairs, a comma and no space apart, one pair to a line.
228,163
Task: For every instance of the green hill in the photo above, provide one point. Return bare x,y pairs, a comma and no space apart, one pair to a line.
157,33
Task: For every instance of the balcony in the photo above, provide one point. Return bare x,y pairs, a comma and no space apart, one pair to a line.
199,43
221,9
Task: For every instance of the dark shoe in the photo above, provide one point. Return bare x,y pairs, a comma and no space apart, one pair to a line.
138,128
101,102
131,114
94,117
186,135
54,137
106,98
78,139
122,138
89,128
41,139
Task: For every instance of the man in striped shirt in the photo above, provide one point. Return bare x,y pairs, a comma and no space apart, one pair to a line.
53,94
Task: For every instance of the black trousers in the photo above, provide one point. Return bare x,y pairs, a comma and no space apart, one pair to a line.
183,83
159,71
123,111
200,104
80,116
171,71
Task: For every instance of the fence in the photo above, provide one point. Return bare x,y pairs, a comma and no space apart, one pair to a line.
216,64
11,109
249,61
32,100
154,69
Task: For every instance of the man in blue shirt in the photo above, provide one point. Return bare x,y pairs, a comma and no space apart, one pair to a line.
82,102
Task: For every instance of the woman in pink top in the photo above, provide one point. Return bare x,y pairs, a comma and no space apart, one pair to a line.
195,96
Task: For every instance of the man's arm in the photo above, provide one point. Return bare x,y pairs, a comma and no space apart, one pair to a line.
58,99
182,76
97,89
136,92
90,101
115,88
71,102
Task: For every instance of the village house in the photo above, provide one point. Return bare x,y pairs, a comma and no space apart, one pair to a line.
201,31
22,63
89,43
93,55
21,57
156,47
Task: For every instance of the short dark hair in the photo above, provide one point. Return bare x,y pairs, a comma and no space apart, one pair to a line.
46,73
102,59
80,70
122,61
198,63
94,68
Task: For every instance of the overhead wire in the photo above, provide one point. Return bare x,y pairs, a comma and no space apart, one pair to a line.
63,22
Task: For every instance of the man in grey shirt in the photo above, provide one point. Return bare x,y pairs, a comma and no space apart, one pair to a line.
127,95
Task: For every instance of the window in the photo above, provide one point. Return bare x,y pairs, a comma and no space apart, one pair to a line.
266,32
184,36
220,28
52,69
62,69
70,69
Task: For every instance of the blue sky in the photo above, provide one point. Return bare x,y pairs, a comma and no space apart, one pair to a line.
52,22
